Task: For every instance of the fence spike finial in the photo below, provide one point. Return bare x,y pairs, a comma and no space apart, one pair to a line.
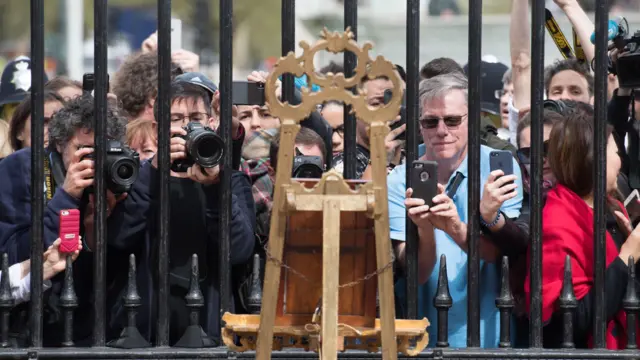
194,336
631,305
443,302
255,293
505,303
6,302
130,337
68,301
568,303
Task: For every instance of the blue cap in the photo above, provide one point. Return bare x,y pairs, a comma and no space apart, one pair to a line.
301,82
199,79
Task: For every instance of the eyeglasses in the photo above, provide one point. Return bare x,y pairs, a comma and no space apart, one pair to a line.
524,154
193,117
500,93
339,130
431,122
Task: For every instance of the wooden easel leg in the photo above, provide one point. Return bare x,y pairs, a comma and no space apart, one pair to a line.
271,286
330,278
385,289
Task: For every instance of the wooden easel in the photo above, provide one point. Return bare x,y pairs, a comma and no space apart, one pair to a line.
332,195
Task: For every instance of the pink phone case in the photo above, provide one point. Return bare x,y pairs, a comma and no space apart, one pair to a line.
69,230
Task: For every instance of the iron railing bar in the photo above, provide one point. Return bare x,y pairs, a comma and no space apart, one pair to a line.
473,226
600,172
100,133
411,148
164,130
223,353
37,169
537,89
288,38
226,77
350,20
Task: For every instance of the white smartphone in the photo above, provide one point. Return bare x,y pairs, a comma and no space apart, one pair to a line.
632,204
176,34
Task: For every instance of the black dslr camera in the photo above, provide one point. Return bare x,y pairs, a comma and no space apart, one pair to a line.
307,167
388,94
627,67
628,64
559,106
204,147
120,167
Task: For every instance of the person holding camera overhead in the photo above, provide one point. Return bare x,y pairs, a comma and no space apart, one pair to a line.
69,170
196,155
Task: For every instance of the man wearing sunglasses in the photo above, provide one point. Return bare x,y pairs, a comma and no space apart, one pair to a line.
442,229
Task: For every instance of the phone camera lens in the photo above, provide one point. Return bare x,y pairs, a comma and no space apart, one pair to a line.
424,176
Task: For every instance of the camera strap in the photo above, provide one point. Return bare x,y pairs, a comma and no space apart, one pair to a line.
54,172
48,179
455,184
561,41
579,50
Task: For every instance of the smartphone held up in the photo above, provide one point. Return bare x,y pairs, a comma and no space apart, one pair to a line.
424,180
69,230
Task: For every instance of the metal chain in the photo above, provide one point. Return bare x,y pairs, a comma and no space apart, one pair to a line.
347,285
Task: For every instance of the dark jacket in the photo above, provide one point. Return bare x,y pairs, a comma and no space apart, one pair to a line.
489,137
15,239
15,207
143,215
618,115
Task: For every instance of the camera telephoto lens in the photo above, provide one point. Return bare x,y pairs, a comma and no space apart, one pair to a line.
206,148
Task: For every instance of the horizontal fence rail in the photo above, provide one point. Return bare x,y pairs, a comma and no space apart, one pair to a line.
131,344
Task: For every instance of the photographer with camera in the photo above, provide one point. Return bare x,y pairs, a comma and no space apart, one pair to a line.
260,124
196,153
308,163
69,170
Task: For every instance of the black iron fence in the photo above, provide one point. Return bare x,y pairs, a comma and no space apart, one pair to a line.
119,348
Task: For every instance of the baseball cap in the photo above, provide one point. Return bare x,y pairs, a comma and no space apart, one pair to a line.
492,73
199,79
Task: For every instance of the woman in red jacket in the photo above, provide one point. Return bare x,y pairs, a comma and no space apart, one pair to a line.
567,229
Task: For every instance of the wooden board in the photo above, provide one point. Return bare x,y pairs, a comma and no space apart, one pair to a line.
298,298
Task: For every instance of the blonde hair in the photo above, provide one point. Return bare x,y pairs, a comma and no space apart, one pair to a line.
5,144
142,128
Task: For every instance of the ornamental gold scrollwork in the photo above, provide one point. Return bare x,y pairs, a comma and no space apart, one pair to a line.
334,86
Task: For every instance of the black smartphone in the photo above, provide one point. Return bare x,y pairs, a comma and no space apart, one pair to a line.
248,93
501,160
424,180
388,94
89,83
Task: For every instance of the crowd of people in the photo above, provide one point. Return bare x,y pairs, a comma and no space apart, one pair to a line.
568,121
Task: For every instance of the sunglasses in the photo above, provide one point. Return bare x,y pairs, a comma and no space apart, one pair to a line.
431,122
524,154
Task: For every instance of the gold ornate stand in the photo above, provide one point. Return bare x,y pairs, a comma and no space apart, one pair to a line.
331,196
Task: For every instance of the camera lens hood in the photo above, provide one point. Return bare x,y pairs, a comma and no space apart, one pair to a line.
124,172
206,148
